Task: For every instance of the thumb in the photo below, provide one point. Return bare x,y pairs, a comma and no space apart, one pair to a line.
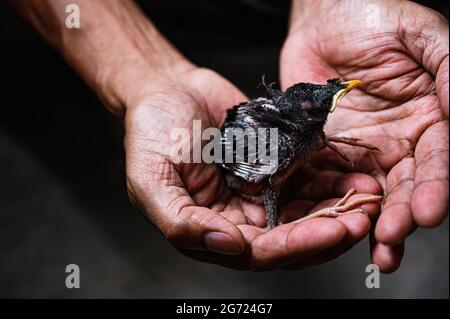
298,63
164,200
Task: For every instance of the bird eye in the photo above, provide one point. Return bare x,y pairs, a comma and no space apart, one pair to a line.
326,101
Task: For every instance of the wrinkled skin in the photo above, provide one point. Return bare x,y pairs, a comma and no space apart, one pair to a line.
186,201
402,59
397,110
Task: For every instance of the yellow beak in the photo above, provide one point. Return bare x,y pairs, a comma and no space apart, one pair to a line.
350,85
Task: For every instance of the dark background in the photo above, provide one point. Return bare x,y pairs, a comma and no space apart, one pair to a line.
62,191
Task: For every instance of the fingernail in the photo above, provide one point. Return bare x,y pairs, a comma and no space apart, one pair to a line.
222,243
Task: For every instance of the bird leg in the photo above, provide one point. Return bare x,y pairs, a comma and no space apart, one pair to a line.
342,207
270,197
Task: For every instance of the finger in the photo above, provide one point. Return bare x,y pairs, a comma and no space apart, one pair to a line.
240,211
387,258
240,262
431,191
295,210
200,228
300,208
233,211
287,243
219,100
396,220
255,213
160,193
428,42
296,51
318,185
236,217
358,226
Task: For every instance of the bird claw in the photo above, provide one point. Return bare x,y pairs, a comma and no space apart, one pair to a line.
342,207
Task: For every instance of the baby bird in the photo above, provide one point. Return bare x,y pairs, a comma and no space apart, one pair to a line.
299,115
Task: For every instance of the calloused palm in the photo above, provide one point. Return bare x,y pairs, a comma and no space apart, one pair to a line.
400,51
193,208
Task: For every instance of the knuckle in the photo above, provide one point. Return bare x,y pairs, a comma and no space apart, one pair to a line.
196,218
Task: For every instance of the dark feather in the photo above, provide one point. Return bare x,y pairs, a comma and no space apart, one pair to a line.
299,114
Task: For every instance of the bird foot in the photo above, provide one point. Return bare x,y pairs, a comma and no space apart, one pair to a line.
342,207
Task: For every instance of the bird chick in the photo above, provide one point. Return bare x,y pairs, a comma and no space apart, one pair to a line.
299,114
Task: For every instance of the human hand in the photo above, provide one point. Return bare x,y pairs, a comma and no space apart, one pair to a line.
144,80
191,205
399,50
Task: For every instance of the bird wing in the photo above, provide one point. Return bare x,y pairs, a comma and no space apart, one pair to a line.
251,165
296,141
255,164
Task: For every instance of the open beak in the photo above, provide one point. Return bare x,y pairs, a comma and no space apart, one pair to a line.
350,85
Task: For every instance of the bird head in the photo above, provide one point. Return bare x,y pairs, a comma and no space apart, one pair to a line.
315,101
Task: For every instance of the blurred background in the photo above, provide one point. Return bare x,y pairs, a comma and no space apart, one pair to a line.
62,190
